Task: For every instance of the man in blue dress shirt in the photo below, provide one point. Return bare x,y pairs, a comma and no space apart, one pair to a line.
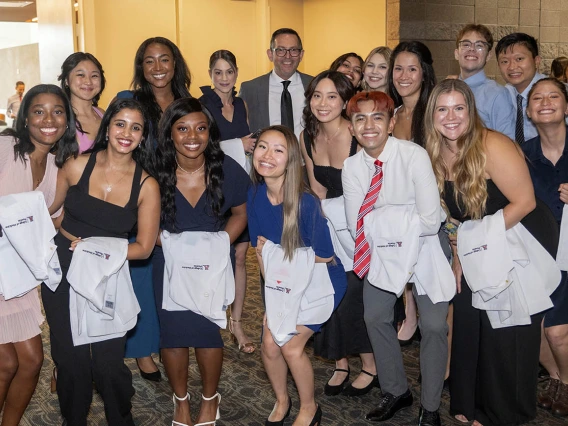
473,49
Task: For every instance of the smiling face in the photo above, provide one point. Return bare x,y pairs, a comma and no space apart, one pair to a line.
190,135
285,66
547,104
46,119
371,127
223,76
518,66
326,104
84,81
451,116
270,156
472,60
351,67
158,64
407,75
375,73
125,130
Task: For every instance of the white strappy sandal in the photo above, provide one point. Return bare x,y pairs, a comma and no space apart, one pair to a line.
218,416
175,398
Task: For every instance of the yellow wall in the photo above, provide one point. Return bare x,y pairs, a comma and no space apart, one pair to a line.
334,27
285,14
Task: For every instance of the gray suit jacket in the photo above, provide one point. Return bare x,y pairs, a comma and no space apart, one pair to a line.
255,94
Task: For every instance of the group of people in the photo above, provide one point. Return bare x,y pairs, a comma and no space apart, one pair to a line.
370,176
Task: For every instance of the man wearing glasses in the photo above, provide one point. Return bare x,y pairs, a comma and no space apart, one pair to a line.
473,49
278,97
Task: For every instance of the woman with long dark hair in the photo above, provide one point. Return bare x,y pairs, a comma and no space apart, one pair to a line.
107,193
161,76
230,113
30,155
351,65
83,81
199,186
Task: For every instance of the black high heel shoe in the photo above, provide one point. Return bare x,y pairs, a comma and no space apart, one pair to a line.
280,422
332,390
350,390
155,376
316,421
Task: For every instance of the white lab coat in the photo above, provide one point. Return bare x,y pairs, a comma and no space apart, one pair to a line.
198,275
297,291
102,303
562,255
343,241
28,256
509,272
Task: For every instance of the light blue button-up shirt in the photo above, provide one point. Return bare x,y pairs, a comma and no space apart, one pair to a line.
493,104
530,129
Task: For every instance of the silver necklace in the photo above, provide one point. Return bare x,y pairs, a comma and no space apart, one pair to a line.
188,172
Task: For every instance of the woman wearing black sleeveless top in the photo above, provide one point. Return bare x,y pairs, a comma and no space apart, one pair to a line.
326,142
479,171
106,193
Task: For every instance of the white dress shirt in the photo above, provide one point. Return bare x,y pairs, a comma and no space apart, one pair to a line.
296,89
408,179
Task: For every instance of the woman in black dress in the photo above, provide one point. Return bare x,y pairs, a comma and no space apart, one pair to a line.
199,186
479,171
325,143
230,114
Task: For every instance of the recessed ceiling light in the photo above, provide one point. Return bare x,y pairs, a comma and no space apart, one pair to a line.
15,3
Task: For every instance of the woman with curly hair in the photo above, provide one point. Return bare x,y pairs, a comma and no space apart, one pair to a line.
199,186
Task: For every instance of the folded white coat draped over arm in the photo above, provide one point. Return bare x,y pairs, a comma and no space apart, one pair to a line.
562,255
509,272
297,291
28,256
102,303
343,241
198,274
234,149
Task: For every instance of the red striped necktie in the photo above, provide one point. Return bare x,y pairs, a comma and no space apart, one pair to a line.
362,257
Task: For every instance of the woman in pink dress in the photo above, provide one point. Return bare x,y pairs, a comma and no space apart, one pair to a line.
30,154
83,81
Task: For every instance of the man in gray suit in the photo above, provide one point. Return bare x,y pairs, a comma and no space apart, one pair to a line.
278,97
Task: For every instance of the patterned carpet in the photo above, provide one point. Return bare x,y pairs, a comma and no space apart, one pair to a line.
247,396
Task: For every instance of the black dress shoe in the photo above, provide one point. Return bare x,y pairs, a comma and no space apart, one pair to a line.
332,390
280,422
316,421
350,390
428,418
156,376
416,336
389,405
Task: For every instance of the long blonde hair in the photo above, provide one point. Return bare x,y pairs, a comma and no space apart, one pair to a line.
470,186
385,52
293,189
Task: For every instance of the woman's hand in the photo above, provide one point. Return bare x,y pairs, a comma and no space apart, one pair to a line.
457,270
563,190
248,143
74,244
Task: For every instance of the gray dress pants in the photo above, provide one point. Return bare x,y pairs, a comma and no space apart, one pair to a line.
379,311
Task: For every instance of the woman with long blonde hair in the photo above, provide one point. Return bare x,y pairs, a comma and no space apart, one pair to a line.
282,209
479,172
375,70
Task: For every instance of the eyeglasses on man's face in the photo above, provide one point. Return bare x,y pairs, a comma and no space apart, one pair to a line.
294,51
480,46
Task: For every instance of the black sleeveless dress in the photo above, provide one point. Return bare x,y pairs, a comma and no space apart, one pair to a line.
345,332
494,371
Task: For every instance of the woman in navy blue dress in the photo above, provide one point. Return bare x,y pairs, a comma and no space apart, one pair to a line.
230,114
199,185
161,75
283,210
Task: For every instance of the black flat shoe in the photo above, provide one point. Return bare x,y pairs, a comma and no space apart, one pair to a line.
155,376
332,390
389,406
416,336
428,418
350,390
316,421
280,422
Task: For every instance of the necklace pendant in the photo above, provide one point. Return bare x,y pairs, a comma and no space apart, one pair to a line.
108,188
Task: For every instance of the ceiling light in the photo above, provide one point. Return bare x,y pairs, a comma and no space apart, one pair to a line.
15,3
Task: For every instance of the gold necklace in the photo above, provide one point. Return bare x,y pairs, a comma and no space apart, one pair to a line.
333,136
188,172
449,147
109,186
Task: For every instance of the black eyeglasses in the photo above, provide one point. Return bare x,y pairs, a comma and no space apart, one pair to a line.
294,52
478,45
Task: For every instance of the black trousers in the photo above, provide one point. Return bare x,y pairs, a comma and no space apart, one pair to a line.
79,366
493,371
